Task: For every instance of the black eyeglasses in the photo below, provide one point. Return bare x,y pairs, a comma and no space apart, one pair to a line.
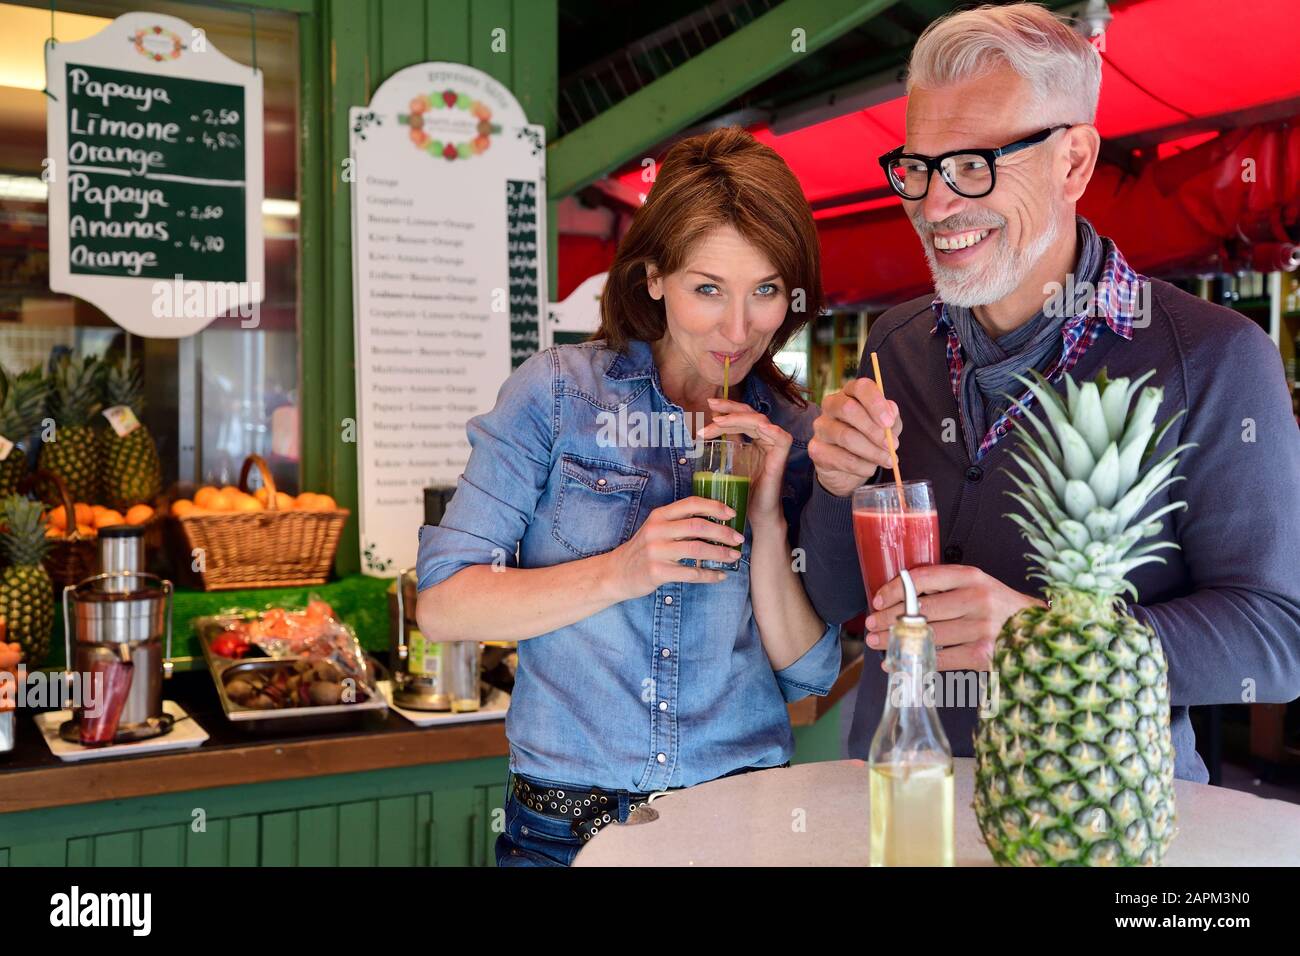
968,172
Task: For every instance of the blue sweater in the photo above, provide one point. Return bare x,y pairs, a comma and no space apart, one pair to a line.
1226,605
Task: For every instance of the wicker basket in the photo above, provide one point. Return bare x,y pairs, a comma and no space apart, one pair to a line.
260,549
74,557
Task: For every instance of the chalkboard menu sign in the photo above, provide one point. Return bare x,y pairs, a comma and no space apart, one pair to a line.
155,174
522,247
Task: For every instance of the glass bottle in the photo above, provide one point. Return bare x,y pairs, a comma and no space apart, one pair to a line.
910,760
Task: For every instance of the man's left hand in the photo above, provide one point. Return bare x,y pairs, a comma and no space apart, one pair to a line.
965,606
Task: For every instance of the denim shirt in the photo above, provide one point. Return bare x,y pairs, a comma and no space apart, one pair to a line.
666,690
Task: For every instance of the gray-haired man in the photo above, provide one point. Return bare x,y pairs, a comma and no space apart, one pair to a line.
1001,104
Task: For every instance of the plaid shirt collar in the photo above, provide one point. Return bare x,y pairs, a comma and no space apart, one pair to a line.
1117,301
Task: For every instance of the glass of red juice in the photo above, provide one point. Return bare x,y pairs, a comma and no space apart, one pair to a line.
891,534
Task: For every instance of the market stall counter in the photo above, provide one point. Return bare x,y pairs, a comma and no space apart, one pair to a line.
382,792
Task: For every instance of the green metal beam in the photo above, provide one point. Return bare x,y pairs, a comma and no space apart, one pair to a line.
700,85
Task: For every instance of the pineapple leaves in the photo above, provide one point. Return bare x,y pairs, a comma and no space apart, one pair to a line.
1078,458
1114,404
1104,480
1079,499
1090,420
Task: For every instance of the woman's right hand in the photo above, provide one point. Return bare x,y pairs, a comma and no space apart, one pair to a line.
652,556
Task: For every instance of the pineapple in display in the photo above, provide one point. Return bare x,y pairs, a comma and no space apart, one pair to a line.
22,403
132,472
1076,764
26,591
74,454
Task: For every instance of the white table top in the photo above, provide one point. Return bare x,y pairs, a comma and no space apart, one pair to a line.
817,815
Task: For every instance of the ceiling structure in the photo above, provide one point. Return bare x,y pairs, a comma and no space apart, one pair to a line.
1176,74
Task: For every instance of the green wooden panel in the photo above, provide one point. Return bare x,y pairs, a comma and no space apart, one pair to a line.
453,825
117,849
243,844
423,824
279,843
395,840
819,741
4,856
535,61
163,846
316,172
485,16
357,828
208,847
446,30
81,852
401,25
490,809
318,836
49,852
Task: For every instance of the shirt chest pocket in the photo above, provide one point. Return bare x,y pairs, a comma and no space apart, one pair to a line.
597,506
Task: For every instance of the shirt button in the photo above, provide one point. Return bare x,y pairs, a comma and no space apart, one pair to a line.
668,599
661,758
665,652
681,461
952,554
663,705
974,473
672,418
601,482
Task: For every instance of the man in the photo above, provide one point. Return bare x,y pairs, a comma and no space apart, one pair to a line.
1002,239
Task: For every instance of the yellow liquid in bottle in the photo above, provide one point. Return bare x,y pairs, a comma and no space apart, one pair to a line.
911,815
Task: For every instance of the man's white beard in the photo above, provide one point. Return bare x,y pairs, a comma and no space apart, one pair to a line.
996,279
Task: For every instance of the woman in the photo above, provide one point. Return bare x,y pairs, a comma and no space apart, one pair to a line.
640,671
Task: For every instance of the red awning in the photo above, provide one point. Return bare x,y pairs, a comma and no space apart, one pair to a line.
1168,64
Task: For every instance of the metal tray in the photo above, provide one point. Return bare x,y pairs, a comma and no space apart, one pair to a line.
285,720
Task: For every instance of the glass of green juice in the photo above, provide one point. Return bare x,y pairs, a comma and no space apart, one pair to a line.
722,473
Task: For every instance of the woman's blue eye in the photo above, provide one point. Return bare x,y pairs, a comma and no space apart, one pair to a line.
707,288
772,288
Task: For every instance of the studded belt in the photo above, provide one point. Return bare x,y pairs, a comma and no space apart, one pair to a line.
587,810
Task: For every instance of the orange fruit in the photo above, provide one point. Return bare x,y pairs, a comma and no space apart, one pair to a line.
86,530
86,513
326,503
138,514
57,518
203,497
247,503
54,532
108,517
260,494
230,491
283,502
307,501
218,502
182,506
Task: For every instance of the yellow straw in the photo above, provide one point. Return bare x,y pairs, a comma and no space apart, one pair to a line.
889,438
726,375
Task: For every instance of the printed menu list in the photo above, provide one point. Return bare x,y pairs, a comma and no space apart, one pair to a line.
426,343
155,176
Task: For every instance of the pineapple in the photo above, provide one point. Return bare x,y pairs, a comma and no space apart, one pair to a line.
22,402
132,472
1076,765
74,453
26,592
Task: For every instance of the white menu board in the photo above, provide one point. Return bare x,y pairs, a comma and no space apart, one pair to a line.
448,266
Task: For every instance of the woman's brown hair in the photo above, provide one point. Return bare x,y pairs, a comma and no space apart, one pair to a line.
725,177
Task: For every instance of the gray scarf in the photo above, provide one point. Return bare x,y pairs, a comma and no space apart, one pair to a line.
991,366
